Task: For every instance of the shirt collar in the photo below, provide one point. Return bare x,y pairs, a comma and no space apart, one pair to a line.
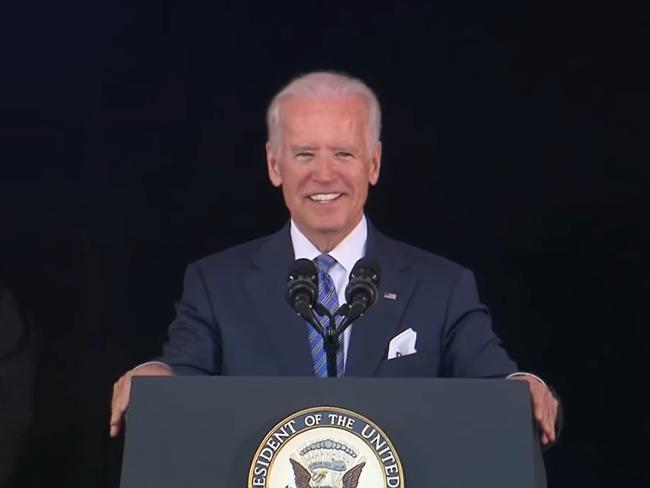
347,252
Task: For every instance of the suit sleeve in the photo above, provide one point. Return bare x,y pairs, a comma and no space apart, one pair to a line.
471,349
194,343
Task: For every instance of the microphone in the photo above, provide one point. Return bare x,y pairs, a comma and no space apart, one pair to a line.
302,291
362,291
302,288
363,287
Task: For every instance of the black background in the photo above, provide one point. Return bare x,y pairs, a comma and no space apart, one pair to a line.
515,142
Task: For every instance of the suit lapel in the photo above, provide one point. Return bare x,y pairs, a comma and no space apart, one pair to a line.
266,283
371,334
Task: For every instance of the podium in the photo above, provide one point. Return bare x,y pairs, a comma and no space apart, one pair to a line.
197,431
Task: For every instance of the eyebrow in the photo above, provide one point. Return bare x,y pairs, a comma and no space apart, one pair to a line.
307,147
302,148
348,149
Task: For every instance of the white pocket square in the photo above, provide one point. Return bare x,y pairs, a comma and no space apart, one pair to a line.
402,344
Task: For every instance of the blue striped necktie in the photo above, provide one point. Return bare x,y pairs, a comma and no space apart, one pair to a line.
326,296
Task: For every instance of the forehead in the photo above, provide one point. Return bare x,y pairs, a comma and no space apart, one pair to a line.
312,116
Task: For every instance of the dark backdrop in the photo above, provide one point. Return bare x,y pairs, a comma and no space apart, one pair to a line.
515,142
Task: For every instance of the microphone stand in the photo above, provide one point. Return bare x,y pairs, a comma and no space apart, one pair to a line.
332,333
330,337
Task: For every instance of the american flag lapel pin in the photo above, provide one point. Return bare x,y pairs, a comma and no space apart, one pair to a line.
390,296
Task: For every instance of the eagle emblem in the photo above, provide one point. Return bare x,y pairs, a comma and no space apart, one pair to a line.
326,447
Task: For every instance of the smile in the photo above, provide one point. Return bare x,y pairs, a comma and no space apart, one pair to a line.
324,197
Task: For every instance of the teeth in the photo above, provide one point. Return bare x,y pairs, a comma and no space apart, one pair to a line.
324,197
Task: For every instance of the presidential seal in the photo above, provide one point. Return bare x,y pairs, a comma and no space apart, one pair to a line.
326,447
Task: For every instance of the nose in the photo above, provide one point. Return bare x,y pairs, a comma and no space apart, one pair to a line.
324,169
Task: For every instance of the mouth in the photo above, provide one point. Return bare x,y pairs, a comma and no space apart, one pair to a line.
324,197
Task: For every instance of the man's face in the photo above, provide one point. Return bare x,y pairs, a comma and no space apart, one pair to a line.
324,163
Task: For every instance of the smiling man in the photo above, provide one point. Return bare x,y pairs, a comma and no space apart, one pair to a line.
324,152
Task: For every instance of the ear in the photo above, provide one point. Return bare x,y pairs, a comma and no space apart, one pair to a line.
375,164
272,162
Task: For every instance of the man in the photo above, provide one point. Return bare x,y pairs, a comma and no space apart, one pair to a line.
324,152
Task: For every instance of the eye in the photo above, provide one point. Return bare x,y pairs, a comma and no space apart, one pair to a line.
304,155
345,155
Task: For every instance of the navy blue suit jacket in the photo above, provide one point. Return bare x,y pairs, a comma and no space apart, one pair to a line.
233,318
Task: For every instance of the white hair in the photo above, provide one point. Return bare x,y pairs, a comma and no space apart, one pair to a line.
324,84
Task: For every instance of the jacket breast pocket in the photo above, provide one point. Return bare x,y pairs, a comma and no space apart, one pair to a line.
417,365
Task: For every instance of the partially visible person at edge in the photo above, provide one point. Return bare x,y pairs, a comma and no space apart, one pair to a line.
17,369
324,151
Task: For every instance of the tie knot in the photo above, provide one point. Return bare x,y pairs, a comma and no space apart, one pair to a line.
324,262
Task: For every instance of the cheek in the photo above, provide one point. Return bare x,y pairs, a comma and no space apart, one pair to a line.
297,181
291,188
360,182
362,195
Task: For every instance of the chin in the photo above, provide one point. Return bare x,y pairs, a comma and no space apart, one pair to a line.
328,224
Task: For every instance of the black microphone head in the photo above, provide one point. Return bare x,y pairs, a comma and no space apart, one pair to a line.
303,282
364,282
303,268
